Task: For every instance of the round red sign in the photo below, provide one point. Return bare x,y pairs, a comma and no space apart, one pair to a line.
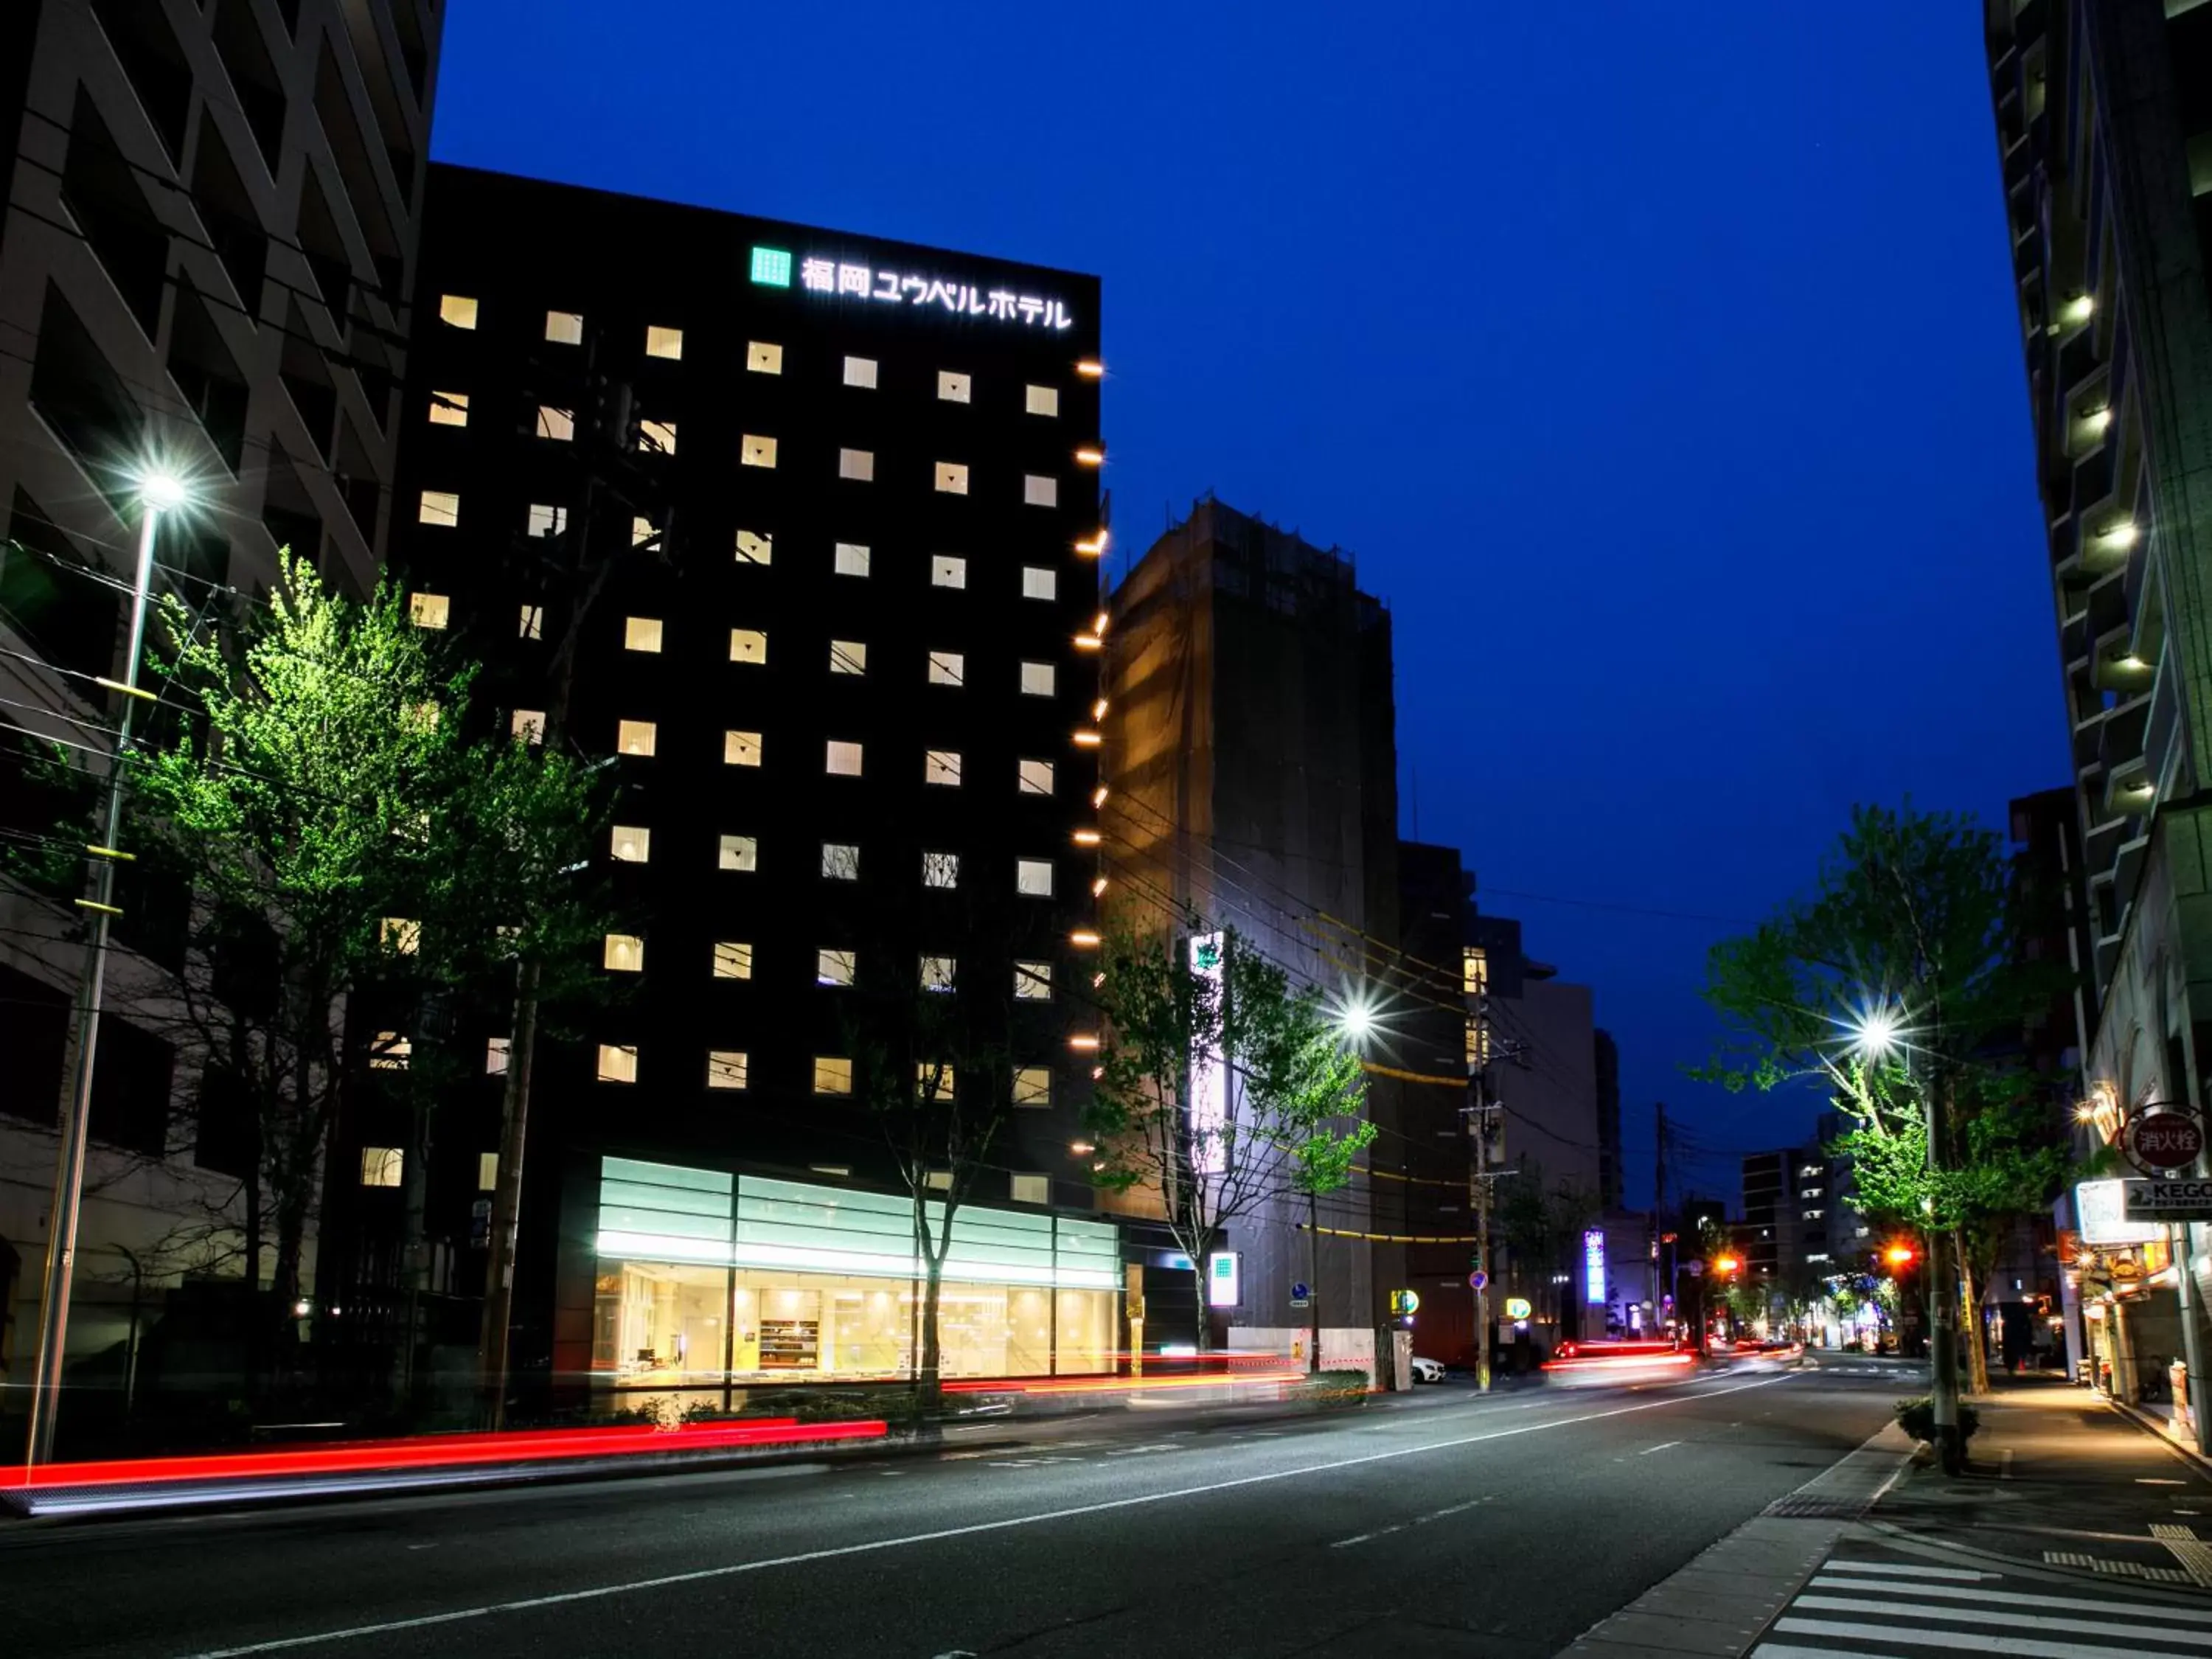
2165,1140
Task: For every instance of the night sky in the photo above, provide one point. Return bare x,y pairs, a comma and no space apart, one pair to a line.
1662,376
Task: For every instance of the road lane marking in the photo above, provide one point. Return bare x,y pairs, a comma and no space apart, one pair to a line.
704,1575
1662,1446
2009,1619
2016,1647
2011,1598
1898,1570
1362,1538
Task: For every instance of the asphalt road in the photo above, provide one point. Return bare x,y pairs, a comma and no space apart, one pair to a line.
1446,1523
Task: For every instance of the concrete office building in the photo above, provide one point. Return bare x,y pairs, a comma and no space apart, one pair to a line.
2104,129
209,241
838,502
1250,757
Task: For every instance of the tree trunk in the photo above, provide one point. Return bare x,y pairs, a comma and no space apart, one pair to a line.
1205,1314
415,1250
1970,1314
932,1350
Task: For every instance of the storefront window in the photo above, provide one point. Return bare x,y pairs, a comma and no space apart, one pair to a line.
703,1278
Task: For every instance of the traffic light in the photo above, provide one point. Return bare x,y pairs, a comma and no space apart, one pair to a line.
1898,1257
1725,1265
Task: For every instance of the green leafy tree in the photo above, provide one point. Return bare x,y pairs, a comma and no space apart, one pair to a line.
1285,1120
1913,933
343,844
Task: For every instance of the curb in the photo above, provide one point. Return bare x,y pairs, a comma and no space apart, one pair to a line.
2156,1429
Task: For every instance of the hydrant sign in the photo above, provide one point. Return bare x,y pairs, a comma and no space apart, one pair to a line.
2169,1200
2164,1140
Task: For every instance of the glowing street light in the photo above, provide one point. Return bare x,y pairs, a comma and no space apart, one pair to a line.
1877,1031
159,490
1899,1256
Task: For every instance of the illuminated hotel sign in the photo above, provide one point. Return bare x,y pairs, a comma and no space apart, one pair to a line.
1209,1078
1593,1266
773,267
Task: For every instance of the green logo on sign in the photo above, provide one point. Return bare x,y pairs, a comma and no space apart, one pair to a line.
772,267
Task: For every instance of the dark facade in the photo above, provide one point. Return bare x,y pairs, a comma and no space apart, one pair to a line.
208,247
842,669
1605,1064
1251,757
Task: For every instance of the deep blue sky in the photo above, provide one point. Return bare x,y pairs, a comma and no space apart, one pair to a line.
1661,375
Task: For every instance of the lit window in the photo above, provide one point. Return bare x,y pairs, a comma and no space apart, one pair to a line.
947,668
1032,1086
941,766
940,869
753,547
1033,981
664,342
390,1052
429,610
938,973
635,736
948,570
631,843
1039,492
842,759
656,437
748,645
1037,679
547,520
486,1171
732,960
1035,777
1473,969
439,506
528,725
852,559
726,1068
832,1076
756,452
1033,877
835,967
457,312
849,657
763,358
640,633
1029,1188
531,623
402,934
860,372
623,953
617,1063
641,532
857,464
564,328
952,478
496,1050
558,424
951,388
449,409
381,1166
740,852
741,749
933,1080
1038,583
1042,400
840,861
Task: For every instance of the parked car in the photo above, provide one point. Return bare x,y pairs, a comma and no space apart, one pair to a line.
1427,1371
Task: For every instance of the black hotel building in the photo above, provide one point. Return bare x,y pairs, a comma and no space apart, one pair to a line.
842,668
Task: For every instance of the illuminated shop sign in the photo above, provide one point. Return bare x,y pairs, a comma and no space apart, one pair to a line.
773,267
1225,1277
1593,1266
2100,1207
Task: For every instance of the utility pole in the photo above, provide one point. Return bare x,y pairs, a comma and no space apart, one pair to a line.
1477,1121
1659,1228
1944,1301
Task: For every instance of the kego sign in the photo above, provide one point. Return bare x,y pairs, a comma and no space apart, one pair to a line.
2164,1140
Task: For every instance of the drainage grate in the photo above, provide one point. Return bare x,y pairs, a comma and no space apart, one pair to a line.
1814,1507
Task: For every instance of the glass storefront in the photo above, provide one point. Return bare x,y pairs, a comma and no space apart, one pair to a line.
705,1278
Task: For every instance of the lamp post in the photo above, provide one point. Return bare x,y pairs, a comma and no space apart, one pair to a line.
158,493
1878,1033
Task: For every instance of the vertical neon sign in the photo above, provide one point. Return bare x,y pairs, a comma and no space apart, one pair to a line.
1593,1266
1209,1078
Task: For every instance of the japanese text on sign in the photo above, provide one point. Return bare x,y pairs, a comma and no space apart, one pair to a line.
842,278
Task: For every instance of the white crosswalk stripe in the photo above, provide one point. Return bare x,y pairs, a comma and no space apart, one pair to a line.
1878,1609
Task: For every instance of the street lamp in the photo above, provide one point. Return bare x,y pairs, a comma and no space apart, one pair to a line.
159,490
